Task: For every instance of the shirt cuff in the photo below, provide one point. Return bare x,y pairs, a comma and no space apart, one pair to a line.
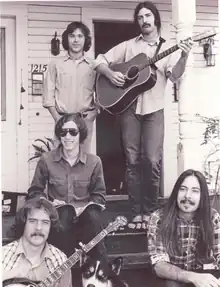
159,258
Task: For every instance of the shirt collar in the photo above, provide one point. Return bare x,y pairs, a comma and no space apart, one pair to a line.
59,155
84,58
141,37
45,254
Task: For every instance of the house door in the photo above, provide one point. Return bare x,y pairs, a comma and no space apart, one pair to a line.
8,105
108,138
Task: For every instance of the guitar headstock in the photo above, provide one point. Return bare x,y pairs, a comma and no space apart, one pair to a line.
206,34
119,222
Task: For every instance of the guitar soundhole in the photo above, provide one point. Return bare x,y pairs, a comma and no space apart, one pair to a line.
132,73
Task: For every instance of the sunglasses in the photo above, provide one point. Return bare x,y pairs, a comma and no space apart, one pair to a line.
72,132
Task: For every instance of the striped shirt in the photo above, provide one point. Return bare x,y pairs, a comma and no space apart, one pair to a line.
16,264
188,234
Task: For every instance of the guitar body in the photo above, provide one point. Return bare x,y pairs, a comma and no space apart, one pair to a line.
19,282
117,99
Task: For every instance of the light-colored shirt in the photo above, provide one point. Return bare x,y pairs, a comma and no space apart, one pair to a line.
153,99
69,85
16,264
188,232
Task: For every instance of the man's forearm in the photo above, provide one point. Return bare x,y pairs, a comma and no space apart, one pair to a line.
178,69
104,70
168,271
54,113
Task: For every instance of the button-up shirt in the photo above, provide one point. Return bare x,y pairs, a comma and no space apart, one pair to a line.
77,184
188,233
16,264
69,85
153,99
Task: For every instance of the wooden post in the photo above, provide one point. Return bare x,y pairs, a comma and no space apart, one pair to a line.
184,17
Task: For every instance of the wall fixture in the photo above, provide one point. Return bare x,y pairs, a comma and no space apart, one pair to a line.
55,45
209,52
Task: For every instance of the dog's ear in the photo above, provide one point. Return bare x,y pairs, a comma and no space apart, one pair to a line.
116,265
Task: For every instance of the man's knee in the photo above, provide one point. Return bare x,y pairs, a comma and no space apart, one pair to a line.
92,214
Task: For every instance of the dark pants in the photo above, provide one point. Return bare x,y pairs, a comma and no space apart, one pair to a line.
142,139
81,229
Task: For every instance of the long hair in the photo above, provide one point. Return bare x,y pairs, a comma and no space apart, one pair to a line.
202,217
38,203
70,29
150,6
77,118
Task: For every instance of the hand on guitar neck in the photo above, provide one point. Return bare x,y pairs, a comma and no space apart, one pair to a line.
185,46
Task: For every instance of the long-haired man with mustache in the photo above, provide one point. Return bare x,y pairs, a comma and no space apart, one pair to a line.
30,256
142,124
184,235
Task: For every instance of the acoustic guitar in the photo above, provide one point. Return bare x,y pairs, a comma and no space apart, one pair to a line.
140,75
72,260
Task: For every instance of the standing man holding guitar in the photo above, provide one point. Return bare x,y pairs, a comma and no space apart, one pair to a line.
142,124
30,256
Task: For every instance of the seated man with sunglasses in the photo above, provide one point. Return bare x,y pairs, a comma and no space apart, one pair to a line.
73,178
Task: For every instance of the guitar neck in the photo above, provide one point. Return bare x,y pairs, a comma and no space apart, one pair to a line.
163,54
72,260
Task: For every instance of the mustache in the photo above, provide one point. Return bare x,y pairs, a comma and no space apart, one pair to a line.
146,25
187,200
37,234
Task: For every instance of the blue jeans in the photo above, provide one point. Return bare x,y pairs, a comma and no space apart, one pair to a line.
142,140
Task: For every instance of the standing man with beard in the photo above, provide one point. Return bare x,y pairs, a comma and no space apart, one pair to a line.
70,80
30,256
142,124
184,236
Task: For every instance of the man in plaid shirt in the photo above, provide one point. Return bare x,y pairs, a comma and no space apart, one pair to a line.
184,236
30,256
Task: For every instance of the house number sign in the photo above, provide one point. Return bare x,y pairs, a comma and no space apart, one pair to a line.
37,78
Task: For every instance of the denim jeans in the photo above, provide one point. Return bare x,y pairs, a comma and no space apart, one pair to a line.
142,140
81,229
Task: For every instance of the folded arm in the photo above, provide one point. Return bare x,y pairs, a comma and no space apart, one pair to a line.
97,185
39,180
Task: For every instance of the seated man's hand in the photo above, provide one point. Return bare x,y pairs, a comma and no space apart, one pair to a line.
204,280
57,202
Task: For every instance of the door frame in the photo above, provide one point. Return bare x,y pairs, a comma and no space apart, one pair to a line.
112,14
19,12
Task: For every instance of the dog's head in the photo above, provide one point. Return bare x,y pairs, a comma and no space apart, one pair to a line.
96,273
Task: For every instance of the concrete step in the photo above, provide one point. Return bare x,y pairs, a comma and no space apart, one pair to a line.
133,242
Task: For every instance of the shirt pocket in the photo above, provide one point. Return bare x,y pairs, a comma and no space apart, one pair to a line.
81,188
58,186
65,79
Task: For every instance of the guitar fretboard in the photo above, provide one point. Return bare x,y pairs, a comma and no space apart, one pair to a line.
163,54
59,271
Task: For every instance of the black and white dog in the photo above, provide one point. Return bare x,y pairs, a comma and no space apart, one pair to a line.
97,274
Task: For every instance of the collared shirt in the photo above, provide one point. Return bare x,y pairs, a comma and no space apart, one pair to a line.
188,232
69,85
78,184
16,264
153,99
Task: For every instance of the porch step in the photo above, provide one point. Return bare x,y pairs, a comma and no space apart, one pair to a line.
121,242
